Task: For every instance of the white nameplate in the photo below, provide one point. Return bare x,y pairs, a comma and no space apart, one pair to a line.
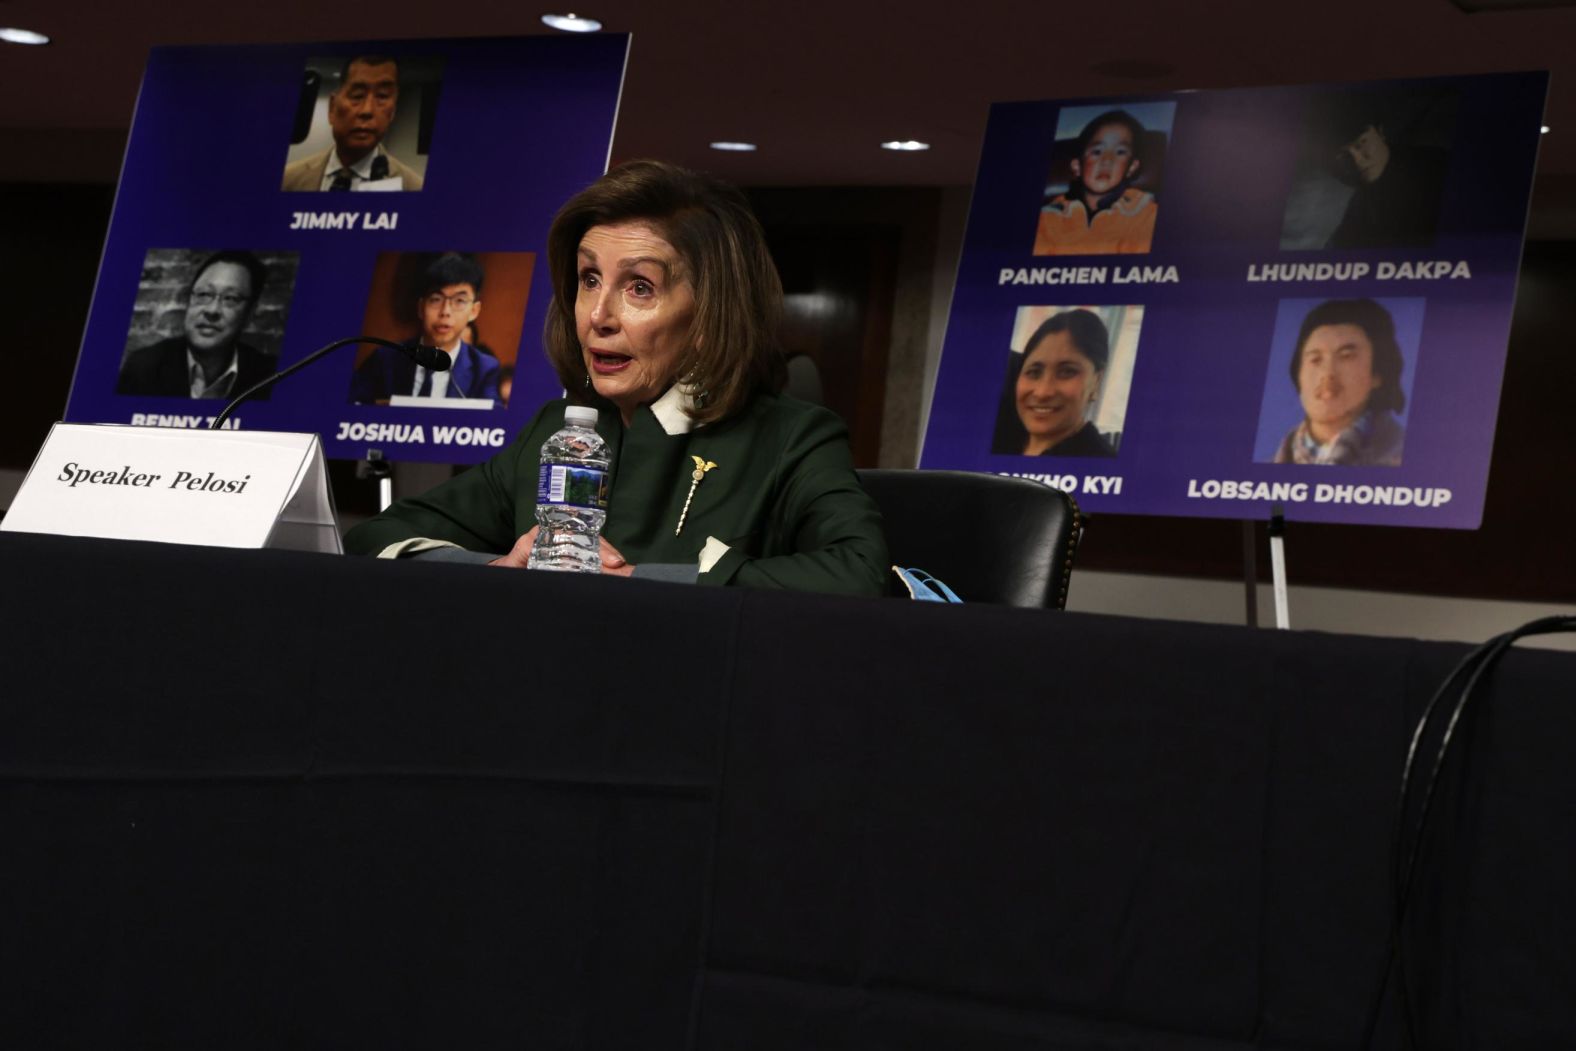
412,401
215,488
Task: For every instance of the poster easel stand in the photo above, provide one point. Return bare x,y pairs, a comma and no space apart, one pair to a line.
1250,572
1278,565
1250,569
375,466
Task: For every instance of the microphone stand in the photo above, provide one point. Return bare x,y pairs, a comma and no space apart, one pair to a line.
427,357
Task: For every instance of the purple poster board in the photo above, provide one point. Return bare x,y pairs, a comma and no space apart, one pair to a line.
234,150
1208,302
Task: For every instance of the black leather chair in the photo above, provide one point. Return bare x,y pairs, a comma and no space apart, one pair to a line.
989,538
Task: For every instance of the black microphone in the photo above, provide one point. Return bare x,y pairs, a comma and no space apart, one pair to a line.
427,357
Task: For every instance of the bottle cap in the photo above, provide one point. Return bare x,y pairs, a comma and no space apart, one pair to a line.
580,416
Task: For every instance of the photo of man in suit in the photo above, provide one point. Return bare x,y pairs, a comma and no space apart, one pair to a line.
207,359
360,111
448,298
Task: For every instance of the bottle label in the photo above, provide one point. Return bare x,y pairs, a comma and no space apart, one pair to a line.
564,485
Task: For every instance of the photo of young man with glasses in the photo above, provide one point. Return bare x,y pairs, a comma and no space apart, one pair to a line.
448,298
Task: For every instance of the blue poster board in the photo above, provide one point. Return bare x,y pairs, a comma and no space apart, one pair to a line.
1204,303
228,236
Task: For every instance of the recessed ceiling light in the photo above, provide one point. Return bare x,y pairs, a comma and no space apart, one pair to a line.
734,147
572,23
905,145
1543,130
22,36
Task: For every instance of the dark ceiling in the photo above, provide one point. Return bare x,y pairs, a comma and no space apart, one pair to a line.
817,84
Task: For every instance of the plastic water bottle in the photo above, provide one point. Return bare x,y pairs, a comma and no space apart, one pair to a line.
571,496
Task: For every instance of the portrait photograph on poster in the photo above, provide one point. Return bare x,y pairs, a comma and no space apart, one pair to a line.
363,123
469,305
1335,391
1103,188
1067,381
206,324
1371,169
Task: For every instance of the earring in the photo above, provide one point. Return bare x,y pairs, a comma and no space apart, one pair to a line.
695,387
588,381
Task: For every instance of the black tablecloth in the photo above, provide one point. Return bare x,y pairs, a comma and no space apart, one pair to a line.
257,799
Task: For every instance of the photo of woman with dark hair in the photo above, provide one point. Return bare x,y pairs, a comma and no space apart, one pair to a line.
1050,388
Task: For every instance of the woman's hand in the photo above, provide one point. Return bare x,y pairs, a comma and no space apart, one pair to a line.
613,563
520,553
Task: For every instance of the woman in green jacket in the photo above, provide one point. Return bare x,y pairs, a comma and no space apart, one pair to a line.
664,317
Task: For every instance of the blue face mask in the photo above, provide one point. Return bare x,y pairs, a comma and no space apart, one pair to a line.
923,587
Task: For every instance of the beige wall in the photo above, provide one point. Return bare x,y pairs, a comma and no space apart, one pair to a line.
1312,609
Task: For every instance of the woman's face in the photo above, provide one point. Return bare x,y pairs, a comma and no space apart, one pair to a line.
1335,378
1054,391
633,310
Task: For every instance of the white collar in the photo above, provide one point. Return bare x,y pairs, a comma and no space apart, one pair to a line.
363,167
671,410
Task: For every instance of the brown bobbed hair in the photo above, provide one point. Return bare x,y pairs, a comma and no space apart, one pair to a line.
734,354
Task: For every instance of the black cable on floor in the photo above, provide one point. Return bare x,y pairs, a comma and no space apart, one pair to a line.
1404,855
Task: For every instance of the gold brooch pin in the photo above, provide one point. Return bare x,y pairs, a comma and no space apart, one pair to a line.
701,467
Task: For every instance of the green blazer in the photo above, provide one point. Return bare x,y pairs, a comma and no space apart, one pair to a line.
783,497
